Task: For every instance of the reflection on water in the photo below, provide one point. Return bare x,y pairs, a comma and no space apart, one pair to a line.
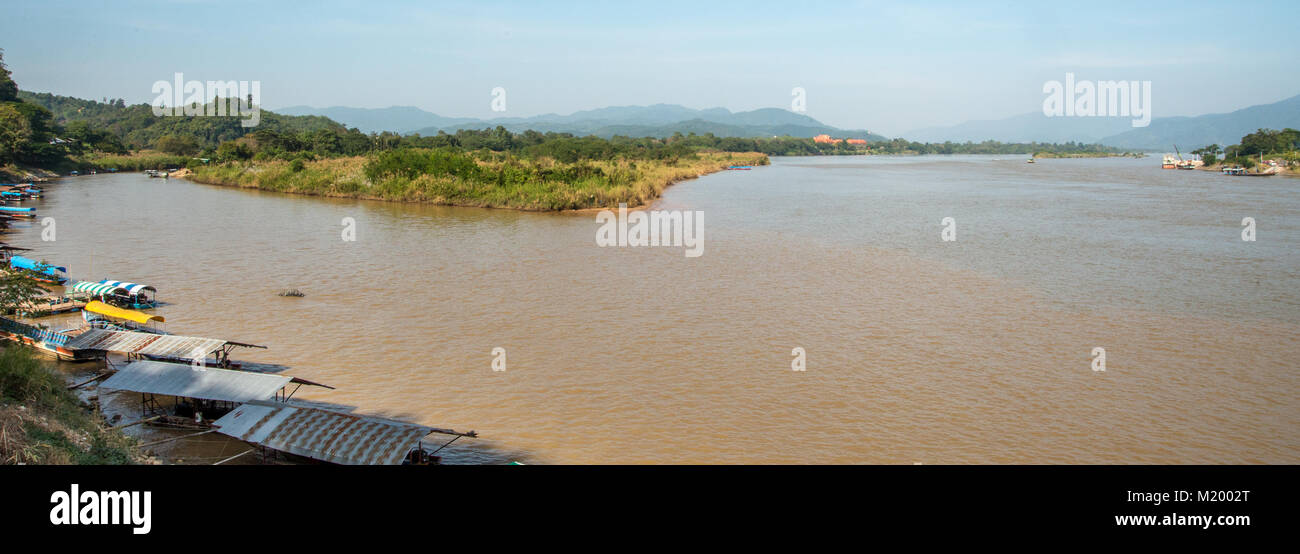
974,351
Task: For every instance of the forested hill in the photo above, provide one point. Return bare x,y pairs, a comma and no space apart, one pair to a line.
137,127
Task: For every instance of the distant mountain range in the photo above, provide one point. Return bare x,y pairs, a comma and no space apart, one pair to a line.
659,120
1163,132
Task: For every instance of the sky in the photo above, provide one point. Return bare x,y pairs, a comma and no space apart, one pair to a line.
888,67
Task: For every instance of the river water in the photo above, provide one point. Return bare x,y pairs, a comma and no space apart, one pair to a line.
918,350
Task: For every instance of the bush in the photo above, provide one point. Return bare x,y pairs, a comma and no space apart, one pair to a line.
23,379
183,145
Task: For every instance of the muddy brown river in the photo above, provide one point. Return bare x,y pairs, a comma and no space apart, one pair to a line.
977,350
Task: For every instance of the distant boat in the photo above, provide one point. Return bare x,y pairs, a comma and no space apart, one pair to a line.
1030,161
14,211
43,272
1169,162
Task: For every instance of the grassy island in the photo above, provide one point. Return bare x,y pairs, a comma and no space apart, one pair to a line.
452,177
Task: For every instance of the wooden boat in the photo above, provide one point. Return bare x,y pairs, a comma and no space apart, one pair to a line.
45,341
118,293
103,316
1236,171
43,272
1169,162
18,212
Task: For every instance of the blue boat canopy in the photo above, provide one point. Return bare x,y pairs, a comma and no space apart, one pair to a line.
20,262
13,209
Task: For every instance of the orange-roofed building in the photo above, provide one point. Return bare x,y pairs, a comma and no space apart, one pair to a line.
825,139
857,141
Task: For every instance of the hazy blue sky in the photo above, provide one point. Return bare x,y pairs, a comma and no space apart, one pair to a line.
887,67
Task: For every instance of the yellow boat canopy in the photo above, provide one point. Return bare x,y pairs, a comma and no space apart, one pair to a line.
97,307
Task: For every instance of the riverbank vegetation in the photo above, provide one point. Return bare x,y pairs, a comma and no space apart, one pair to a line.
1281,146
41,422
483,178
1086,154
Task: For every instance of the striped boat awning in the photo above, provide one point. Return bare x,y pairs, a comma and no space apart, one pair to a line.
131,288
94,289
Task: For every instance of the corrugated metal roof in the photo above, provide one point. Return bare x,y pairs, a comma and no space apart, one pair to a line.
206,383
322,434
133,342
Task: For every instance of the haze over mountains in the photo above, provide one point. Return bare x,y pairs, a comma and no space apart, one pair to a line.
659,120
1163,132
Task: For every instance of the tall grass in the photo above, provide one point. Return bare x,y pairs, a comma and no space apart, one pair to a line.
136,162
460,179
41,422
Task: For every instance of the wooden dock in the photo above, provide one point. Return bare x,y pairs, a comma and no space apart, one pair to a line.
50,305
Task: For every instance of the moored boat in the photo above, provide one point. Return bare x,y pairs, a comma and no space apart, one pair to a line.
104,316
119,293
18,212
45,341
43,272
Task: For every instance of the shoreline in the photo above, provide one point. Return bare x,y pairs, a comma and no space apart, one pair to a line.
45,421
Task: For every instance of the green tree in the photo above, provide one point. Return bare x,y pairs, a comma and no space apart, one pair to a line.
8,88
231,151
17,289
15,132
182,145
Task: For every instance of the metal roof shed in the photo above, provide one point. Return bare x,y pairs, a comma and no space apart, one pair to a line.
148,344
149,377
325,435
